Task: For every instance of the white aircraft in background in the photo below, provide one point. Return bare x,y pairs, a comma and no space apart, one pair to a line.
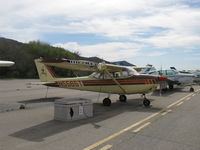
176,77
6,63
145,70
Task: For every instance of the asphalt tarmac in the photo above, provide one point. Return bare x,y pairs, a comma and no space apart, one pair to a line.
171,122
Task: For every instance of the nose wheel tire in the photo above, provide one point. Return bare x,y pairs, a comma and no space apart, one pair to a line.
146,102
191,89
106,102
122,98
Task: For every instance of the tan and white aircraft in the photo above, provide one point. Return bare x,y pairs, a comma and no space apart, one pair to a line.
106,78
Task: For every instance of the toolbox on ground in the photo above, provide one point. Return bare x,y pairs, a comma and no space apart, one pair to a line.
73,109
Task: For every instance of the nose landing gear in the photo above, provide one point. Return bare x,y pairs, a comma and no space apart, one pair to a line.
191,89
146,102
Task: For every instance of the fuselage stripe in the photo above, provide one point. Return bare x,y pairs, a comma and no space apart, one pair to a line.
122,82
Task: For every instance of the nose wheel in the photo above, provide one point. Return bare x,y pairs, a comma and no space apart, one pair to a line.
106,102
146,102
171,86
122,98
191,89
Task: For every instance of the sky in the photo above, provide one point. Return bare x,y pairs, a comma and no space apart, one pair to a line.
163,33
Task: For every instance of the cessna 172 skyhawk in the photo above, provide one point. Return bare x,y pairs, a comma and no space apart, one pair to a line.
106,78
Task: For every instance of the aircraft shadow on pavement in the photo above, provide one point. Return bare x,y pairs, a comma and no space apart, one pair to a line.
168,92
39,132
40,100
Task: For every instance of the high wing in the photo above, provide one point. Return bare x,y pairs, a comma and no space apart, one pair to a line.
110,68
81,65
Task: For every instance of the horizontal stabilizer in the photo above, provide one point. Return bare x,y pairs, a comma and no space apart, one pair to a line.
38,83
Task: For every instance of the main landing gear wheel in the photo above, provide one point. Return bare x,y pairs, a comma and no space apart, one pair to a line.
122,98
171,86
106,102
191,89
146,102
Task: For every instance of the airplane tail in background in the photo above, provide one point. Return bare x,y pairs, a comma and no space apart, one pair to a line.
173,68
147,69
45,73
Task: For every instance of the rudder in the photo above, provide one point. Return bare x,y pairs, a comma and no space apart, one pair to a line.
44,71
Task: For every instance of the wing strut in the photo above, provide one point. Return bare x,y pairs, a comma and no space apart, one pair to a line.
124,91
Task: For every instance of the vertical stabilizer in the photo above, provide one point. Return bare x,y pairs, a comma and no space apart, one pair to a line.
45,72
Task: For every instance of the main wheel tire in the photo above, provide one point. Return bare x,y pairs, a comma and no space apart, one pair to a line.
191,89
122,98
106,102
171,86
146,102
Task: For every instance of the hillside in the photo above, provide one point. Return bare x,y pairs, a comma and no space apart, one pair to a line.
24,54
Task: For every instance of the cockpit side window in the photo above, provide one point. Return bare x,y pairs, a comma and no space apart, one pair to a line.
171,72
100,75
125,72
175,71
116,74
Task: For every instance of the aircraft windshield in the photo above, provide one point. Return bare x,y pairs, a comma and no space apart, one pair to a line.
126,72
165,72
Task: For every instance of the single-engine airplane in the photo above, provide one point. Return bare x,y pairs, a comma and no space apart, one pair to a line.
106,78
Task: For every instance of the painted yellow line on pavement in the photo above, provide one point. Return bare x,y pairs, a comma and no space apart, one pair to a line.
179,104
164,113
120,132
132,126
141,127
169,110
179,100
106,147
188,98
